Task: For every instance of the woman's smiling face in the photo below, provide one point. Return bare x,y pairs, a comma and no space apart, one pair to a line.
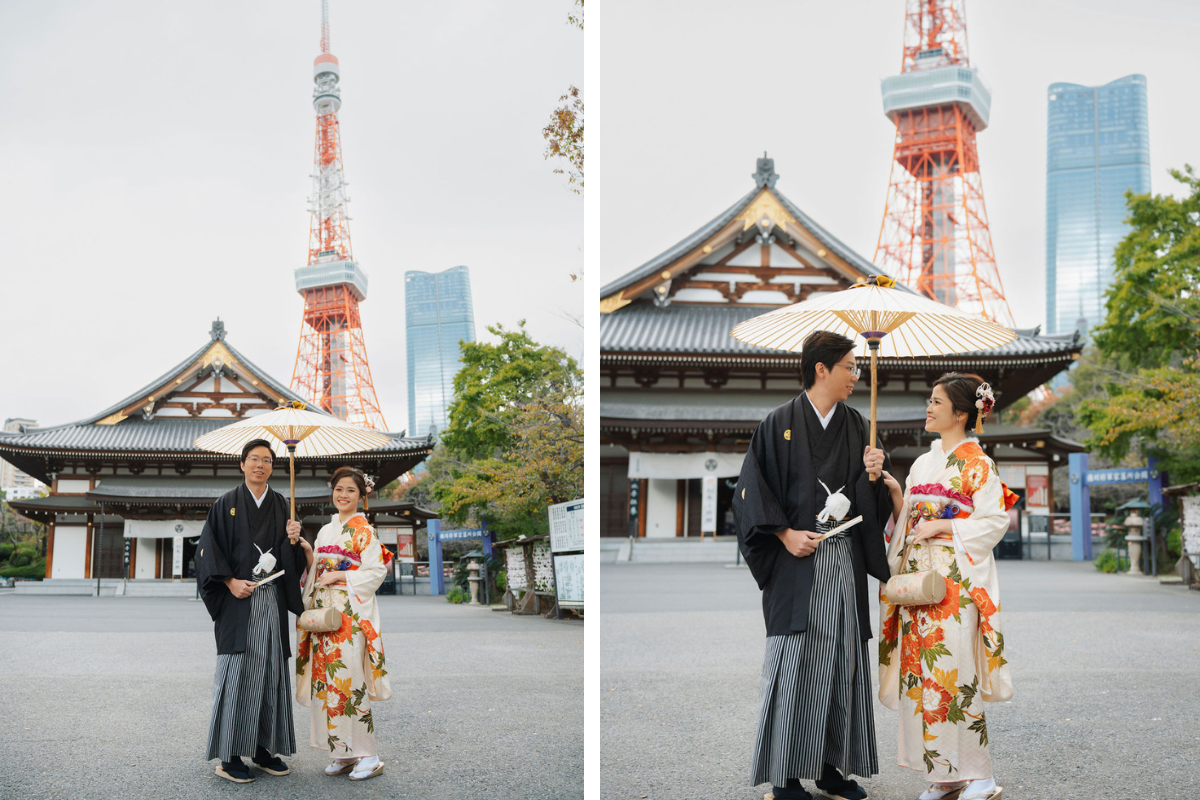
940,415
346,495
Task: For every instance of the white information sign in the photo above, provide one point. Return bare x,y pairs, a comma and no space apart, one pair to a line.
708,506
177,557
568,573
566,526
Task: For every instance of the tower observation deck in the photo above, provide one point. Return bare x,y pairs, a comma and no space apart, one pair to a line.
935,236
331,360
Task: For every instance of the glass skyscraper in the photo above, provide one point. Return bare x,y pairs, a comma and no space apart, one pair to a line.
437,316
1097,147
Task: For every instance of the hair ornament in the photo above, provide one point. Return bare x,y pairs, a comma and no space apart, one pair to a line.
985,402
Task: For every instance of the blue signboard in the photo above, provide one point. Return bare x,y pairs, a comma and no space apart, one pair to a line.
1099,476
463,533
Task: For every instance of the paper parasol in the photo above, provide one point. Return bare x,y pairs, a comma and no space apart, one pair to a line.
299,432
892,323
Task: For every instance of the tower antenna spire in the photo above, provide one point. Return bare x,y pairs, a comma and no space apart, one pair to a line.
935,236
324,26
331,361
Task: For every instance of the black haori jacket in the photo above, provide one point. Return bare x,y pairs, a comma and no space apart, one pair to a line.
226,550
778,489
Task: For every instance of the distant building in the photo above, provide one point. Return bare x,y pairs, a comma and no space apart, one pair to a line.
15,483
438,314
1097,147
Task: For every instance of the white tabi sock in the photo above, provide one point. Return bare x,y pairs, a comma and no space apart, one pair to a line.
940,790
979,789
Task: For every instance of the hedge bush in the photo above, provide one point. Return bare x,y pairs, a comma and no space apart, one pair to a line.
1108,562
457,595
36,569
6,550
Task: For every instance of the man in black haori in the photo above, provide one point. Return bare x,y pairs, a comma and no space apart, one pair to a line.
247,538
808,471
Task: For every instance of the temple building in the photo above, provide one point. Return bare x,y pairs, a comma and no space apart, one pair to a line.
680,398
129,490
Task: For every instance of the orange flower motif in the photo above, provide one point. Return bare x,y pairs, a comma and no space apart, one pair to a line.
343,633
1008,498
368,630
975,474
928,631
891,621
935,702
985,605
303,648
910,655
335,701
968,450
949,605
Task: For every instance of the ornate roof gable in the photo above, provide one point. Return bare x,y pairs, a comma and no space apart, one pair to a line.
211,381
761,250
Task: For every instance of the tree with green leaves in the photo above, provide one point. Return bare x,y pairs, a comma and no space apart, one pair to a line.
514,442
1150,337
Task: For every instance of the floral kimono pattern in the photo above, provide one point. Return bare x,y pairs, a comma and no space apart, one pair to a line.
344,670
939,663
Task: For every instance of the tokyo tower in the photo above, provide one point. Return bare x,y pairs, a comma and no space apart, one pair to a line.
331,361
935,236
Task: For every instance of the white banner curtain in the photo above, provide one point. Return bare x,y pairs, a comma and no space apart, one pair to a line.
163,528
685,466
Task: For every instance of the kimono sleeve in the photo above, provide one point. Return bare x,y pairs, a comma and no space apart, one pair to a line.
988,521
365,580
758,511
212,565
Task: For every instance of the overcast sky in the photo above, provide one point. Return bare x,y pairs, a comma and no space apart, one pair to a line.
155,158
694,92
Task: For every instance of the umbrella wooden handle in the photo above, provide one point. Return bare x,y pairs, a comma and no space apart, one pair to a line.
874,345
292,475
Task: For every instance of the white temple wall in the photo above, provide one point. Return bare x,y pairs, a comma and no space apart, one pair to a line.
660,508
145,558
70,551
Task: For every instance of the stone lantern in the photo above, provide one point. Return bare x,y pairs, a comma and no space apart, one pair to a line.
473,576
1135,524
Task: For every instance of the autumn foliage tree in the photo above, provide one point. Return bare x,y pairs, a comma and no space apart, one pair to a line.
1151,335
564,133
514,442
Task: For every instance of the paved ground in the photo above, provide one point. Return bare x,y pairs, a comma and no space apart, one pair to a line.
1105,667
110,697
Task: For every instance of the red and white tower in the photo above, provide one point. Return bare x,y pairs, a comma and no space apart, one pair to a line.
331,361
935,235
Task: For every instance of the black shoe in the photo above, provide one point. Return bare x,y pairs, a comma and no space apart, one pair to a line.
235,771
835,787
793,791
268,763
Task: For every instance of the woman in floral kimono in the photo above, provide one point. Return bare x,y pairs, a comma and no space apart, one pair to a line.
343,670
939,663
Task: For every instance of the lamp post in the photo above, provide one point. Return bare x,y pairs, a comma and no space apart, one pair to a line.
1134,523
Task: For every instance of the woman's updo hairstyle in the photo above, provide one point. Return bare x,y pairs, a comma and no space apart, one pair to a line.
349,472
962,390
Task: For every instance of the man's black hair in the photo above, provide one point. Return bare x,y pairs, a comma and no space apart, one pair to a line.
253,443
822,347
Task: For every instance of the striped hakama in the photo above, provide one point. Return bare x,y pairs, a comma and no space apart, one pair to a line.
252,704
816,705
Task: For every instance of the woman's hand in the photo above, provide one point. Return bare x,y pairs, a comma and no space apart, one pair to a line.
332,579
893,485
932,528
307,548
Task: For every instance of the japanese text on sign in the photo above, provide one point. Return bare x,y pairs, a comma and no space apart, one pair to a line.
566,527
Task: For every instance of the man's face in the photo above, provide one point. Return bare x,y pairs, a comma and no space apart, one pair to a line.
841,379
258,464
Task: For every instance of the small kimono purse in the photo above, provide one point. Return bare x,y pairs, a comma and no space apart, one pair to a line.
320,620
923,588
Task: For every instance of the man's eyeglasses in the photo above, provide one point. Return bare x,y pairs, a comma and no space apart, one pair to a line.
256,460
856,370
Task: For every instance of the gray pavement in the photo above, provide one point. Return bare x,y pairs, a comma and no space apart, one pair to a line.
1106,671
110,698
